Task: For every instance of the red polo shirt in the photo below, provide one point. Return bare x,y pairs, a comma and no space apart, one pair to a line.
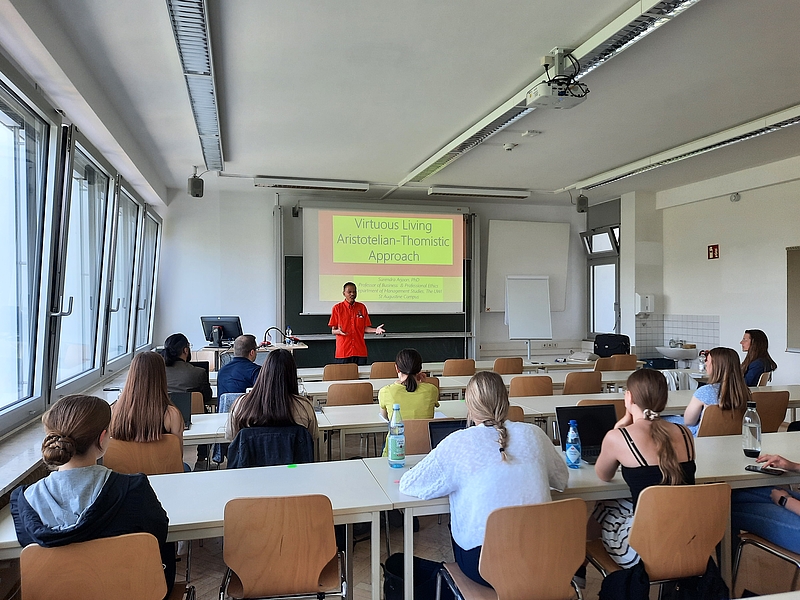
353,319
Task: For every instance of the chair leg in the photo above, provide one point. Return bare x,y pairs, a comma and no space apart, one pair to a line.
736,561
189,561
577,590
386,525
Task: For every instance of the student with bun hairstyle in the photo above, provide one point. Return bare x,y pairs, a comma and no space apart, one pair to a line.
81,500
495,464
757,360
651,451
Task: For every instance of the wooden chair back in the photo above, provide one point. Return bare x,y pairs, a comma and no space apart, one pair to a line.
764,379
530,385
618,403
337,372
625,362
433,381
771,407
198,404
345,394
677,527
715,421
418,438
151,458
382,370
510,365
458,366
516,414
589,382
533,551
293,535
127,567
604,364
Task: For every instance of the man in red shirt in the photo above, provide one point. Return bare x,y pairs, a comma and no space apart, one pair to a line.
349,322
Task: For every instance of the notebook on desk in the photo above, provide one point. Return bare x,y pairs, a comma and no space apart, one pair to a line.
183,400
594,422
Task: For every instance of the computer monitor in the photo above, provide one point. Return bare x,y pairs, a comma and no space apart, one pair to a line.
221,329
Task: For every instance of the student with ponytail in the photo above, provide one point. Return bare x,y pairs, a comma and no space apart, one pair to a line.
81,500
651,451
416,398
496,463
757,360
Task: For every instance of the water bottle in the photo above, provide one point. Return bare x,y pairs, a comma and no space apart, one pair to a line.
396,441
573,446
289,340
751,431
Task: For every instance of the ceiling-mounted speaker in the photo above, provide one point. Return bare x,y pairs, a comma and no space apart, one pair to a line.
195,187
582,204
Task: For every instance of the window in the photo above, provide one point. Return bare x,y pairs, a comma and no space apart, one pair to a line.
122,285
25,151
603,305
147,275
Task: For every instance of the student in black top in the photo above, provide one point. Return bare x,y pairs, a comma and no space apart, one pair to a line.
757,360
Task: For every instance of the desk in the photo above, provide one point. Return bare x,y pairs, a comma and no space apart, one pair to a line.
319,389
437,368
217,352
315,373
195,502
719,459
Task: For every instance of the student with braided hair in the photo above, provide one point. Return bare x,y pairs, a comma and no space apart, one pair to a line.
496,463
651,451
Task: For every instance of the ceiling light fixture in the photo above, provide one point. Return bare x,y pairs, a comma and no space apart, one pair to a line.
190,26
478,192
311,184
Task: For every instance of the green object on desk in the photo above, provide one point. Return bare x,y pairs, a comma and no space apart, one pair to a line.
291,466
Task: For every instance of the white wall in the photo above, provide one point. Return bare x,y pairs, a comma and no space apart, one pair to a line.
746,286
217,258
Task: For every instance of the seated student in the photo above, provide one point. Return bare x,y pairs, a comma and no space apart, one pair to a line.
416,398
757,361
772,513
274,400
725,387
495,464
651,452
241,371
81,500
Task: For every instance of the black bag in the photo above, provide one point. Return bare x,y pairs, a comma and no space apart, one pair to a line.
424,579
608,344
709,586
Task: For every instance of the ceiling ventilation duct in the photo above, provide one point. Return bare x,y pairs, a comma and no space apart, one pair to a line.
311,184
477,192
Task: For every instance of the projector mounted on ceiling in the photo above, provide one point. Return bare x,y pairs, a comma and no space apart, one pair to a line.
561,88
553,95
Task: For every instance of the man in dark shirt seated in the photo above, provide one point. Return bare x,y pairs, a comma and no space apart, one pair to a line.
241,371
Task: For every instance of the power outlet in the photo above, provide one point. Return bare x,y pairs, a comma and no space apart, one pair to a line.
550,345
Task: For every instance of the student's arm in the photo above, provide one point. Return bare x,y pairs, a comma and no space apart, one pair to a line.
173,422
774,460
379,330
691,416
792,503
427,479
607,463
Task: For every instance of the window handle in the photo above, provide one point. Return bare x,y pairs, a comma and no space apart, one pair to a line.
116,308
63,313
143,307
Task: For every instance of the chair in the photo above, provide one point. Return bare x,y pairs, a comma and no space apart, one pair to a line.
619,404
418,438
715,421
508,365
530,385
433,381
281,546
454,367
512,560
268,446
767,546
675,530
151,458
345,394
589,382
516,414
198,404
382,370
764,379
605,364
337,372
127,567
220,451
771,407
625,362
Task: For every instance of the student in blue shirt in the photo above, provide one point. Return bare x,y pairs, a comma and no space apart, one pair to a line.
241,371
757,361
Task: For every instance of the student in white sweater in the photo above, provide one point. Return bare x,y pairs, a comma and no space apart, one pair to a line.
495,464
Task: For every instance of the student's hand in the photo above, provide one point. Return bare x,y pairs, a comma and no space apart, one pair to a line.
625,421
379,330
338,331
774,460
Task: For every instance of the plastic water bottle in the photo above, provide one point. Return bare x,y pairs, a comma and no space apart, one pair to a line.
573,446
289,340
751,431
397,440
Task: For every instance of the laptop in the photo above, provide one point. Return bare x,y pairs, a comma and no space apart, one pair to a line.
440,429
183,400
594,422
203,364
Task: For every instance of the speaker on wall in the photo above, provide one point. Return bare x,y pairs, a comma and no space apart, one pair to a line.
195,187
582,204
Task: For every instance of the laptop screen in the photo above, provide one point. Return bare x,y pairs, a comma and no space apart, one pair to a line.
593,423
440,429
183,400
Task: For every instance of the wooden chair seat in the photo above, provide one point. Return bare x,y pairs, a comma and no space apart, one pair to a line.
454,367
583,382
347,394
382,370
469,589
625,362
516,414
715,421
757,541
604,364
151,458
530,385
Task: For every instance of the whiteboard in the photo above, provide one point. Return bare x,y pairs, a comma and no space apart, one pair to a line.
527,307
524,247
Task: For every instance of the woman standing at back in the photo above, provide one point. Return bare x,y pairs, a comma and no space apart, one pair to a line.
651,452
757,360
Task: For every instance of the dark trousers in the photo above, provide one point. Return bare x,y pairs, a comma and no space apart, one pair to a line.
359,360
467,561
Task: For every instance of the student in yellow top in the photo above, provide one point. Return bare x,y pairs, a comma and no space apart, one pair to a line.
416,398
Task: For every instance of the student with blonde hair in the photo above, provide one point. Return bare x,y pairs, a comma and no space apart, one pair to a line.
81,500
651,451
496,463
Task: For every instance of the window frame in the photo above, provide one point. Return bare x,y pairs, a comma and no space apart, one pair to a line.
148,345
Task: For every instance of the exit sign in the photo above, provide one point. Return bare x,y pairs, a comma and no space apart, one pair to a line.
713,251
